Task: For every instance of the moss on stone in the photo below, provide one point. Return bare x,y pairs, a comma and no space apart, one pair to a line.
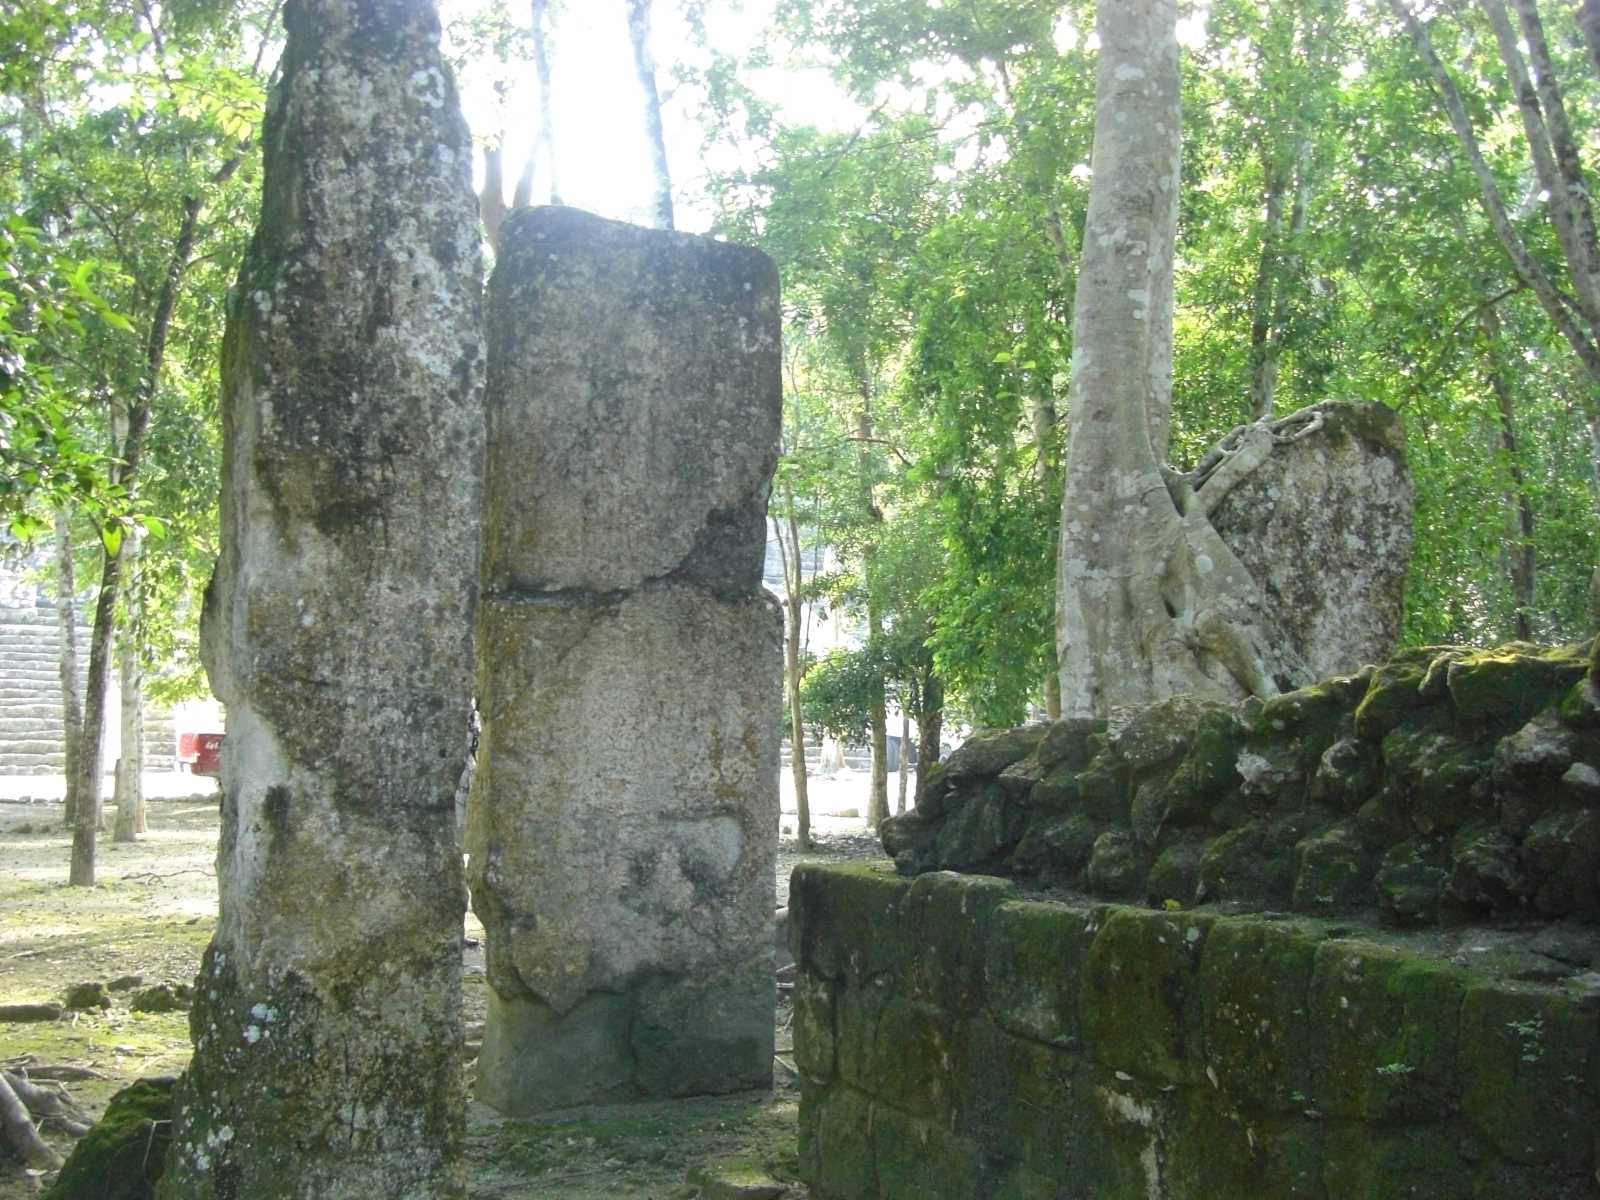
1529,1064
1174,877
1254,984
1104,791
1207,772
124,1155
1055,847
943,921
1396,688
1035,961
1068,744
1504,687
836,912
980,832
1333,871
1243,864
1410,881
1138,1007
1383,1034
1057,789
1117,866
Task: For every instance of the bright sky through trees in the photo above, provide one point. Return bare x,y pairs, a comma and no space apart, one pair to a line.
601,156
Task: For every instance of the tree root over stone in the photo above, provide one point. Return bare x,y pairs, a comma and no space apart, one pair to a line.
26,1107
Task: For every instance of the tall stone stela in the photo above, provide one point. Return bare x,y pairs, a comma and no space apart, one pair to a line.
623,823
338,633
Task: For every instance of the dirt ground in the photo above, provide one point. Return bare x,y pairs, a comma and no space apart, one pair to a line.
153,913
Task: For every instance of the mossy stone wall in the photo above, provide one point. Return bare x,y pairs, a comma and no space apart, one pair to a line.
1446,786
958,1041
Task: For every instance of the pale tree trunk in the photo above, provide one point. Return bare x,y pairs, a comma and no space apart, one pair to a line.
793,580
128,794
878,790
1576,329
1151,602
905,759
1589,22
541,63
67,630
492,198
645,67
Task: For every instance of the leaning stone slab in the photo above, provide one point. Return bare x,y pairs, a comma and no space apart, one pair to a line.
337,631
624,814
1324,526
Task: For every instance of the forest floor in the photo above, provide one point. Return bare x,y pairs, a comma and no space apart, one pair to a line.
154,910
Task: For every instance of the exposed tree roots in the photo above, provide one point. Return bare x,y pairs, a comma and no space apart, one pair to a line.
30,1101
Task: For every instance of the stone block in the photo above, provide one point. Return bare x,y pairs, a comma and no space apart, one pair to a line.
1529,1064
1139,1006
1255,981
1383,1043
634,401
622,825
1036,960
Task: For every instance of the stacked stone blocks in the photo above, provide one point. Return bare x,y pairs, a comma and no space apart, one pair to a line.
956,1040
621,830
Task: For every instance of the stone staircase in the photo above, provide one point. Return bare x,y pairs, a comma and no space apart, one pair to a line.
30,698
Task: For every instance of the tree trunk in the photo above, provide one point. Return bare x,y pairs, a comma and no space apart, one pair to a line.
87,818
541,63
877,727
129,789
1589,22
492,198
645,67
1520,559
905,759
1582,337
67,630
793,580
1151,602
1263,361
930,726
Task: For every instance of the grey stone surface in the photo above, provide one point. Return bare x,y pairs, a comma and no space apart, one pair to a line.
338,633
1324,526
653,359
622,827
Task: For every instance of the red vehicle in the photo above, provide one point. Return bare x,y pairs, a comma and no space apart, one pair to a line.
200,754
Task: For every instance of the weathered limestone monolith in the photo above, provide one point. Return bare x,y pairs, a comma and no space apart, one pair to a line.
624,816
338,633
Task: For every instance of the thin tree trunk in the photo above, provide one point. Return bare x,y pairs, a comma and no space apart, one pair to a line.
1520,559
645,67
1577,333
1263,364
129,788
878,789
1583,257
67,630
793,580
492,197
1589,22
930,726
1549,139
87,823
905,758
541,63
